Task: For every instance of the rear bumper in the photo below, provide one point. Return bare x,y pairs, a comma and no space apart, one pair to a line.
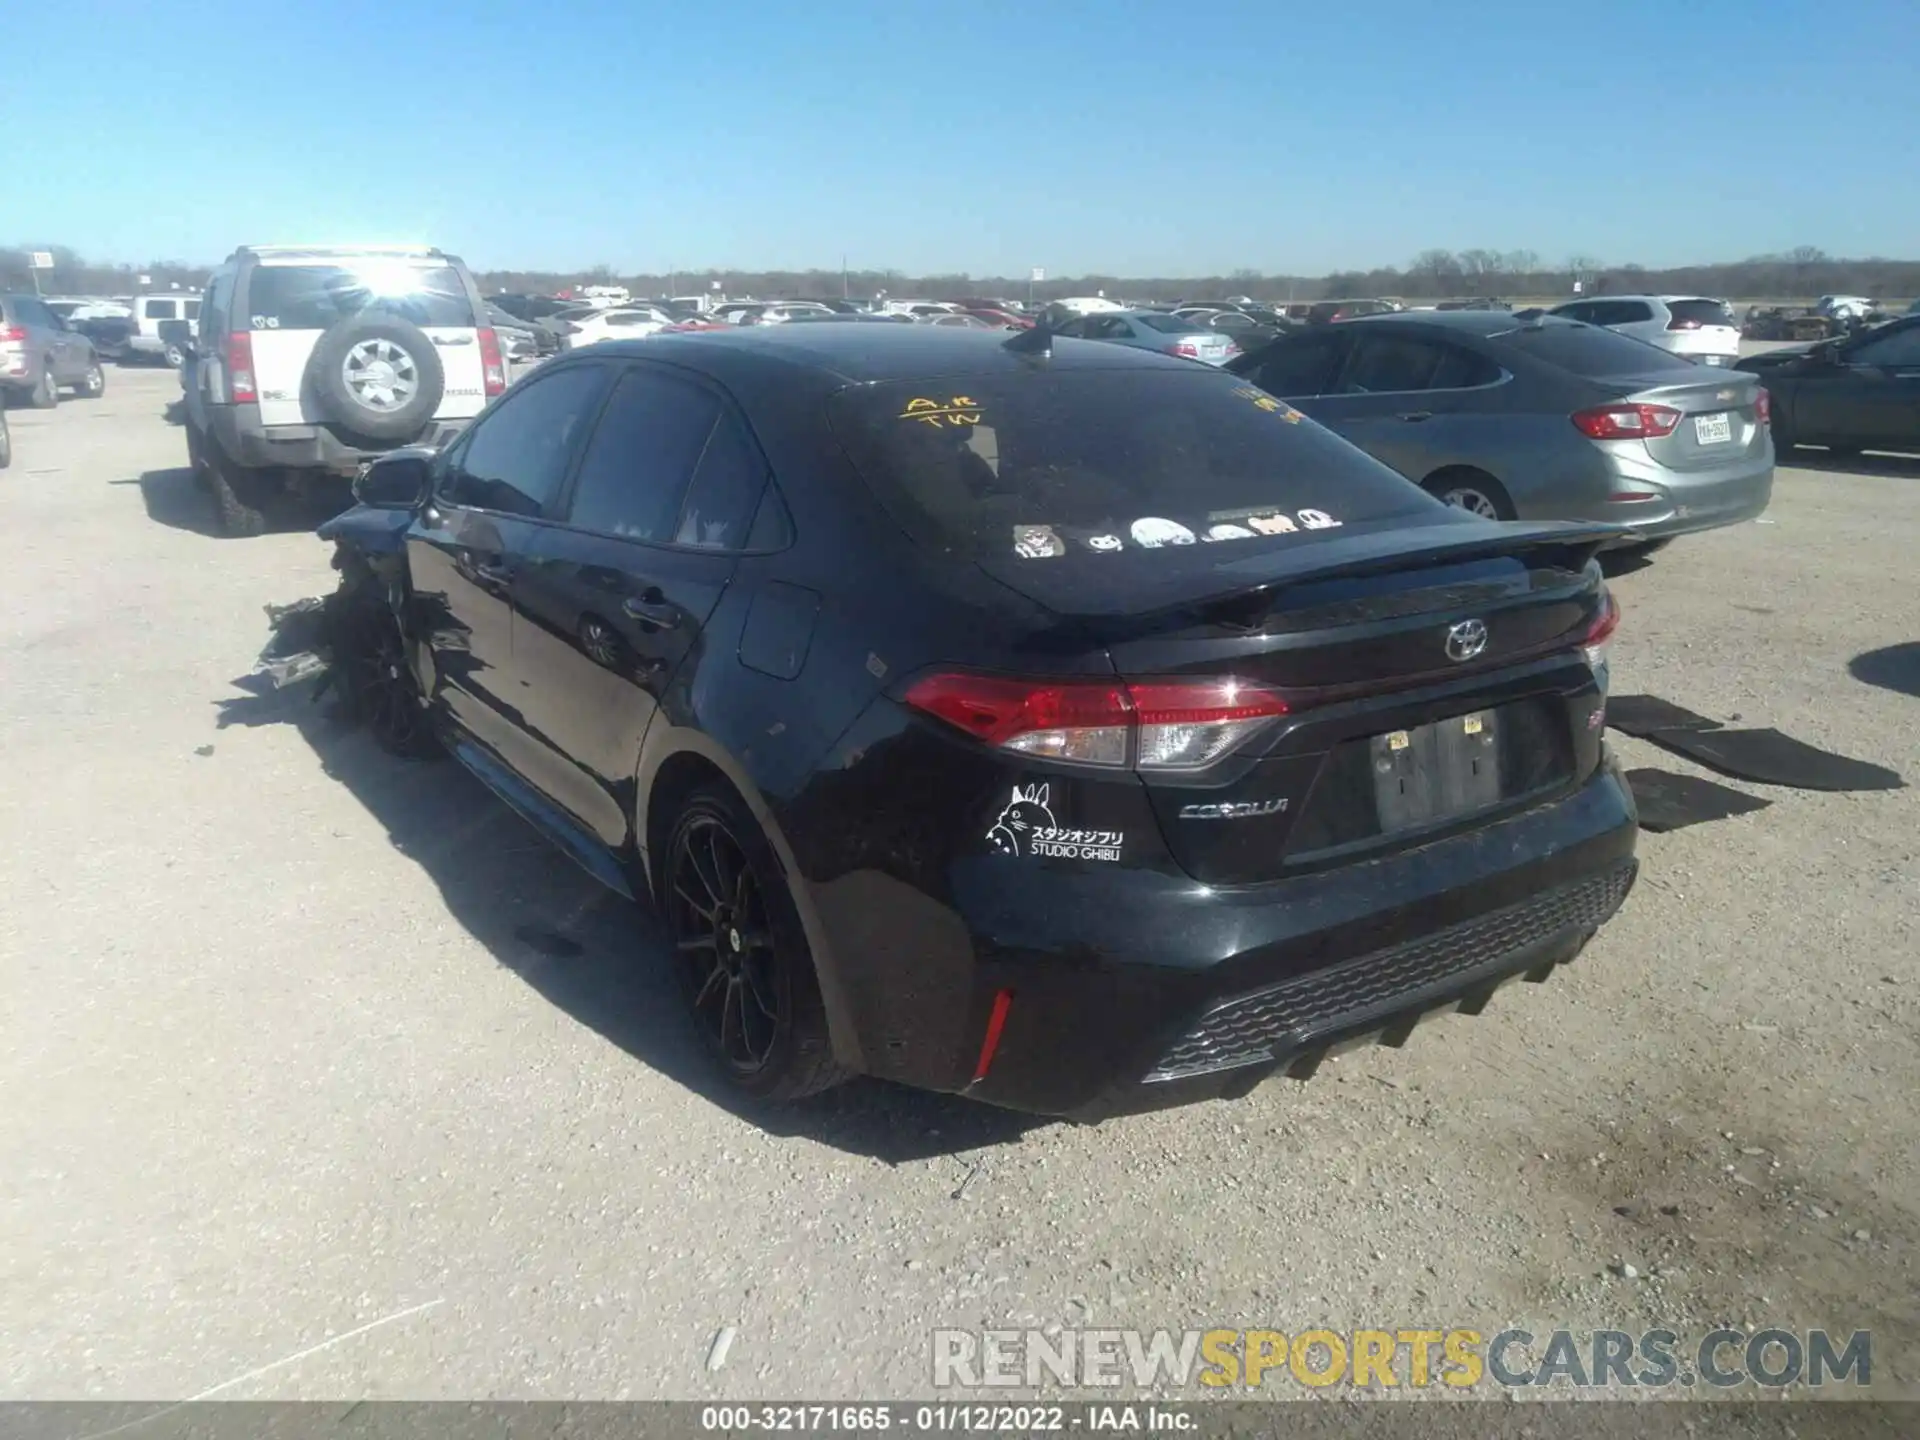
1136,990
245,441
1691,503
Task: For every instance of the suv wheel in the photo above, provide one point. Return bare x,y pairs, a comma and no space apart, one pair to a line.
94,385
237,495
378,377
742,958
46,394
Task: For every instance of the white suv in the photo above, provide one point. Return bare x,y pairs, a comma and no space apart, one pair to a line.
1692,326
312,360
150,312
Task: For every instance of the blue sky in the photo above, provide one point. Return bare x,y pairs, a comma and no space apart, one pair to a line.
1138,137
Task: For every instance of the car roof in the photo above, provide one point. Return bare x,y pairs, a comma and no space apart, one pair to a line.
871,354
1482,323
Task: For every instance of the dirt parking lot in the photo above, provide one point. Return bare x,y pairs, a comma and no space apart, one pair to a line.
325,1077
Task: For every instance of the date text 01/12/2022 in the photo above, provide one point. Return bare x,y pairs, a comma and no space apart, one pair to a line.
964,1418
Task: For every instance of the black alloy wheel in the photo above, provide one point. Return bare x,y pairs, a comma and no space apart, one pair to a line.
724,945
380,684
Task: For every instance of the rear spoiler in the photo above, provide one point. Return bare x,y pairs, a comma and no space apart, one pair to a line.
1178,583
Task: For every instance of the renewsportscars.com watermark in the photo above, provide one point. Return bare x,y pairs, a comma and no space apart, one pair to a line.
1217,1361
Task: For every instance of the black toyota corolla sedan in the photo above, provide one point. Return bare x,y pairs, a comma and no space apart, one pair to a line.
1061,724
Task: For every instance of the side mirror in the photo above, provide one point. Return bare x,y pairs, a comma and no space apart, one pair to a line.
401,480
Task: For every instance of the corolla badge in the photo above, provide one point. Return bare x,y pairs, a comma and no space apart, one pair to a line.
1466,639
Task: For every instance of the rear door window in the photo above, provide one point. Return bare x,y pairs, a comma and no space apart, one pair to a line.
317,297
162,309
1586,350
637,467
1301,366
1054,462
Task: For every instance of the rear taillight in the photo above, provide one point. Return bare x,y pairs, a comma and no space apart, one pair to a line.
240,386
1678,324
1185,350
13,335
1594,644
1626,422
1763,408
493,372
1147,724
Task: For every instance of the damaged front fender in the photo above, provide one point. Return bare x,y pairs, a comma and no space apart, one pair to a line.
370,531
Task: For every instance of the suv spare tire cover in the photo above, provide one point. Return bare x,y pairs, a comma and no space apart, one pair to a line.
376,376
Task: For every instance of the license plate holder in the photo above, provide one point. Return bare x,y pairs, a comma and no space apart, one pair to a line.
1716,429
1437,772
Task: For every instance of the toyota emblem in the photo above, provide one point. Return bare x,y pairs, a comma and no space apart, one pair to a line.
1466,639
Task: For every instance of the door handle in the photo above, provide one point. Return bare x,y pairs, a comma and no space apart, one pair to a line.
652,610
493,574
1413,416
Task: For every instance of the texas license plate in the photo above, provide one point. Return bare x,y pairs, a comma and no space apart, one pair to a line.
1713,429
1437,772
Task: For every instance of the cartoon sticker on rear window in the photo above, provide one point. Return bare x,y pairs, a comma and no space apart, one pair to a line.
1317,519
1106,544
1227,532
959,411
1154,532
1037,542
1274,524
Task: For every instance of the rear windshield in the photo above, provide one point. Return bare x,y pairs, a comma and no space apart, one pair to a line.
1046,464
1701,312
1590,350
316,297
1169,324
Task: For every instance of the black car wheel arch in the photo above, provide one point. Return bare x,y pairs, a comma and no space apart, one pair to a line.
740,952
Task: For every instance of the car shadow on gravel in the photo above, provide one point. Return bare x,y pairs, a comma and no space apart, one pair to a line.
598,957
1892,667
173,498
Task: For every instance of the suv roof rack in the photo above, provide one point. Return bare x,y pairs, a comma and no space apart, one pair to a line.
433,251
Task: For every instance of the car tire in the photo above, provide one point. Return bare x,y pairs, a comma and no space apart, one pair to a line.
740,953
237,495
1473,491
376,348
94,384
46,395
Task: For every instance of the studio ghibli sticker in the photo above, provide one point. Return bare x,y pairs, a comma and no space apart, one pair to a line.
1153,532
1105,544
1037,542
1026,827
1317,520
1273,524
1227,532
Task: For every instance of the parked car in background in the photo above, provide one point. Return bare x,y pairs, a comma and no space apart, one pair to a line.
312,361
150,312
1045,643
1477,302
625,322
1786,322
520,341
961,320
1694,326
1009,318
41,355
1859,392
1325,312
1149,330
1547,419
1846,307
782,311
1246,327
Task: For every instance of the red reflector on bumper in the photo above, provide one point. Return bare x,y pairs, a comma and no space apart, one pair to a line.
996,1022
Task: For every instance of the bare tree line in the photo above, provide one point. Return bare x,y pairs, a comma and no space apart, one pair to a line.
1432,274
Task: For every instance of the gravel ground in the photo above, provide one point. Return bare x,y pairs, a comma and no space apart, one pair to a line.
303,1039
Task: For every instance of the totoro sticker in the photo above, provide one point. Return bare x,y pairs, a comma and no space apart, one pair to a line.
1153,532
1227,532
1026,827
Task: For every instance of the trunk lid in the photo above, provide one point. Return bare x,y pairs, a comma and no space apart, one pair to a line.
1720,418
1433,676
